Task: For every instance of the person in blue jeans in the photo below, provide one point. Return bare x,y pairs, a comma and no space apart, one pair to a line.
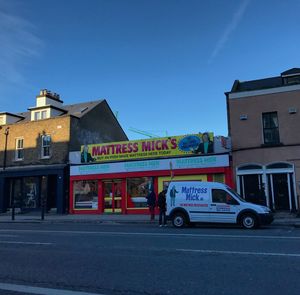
162,205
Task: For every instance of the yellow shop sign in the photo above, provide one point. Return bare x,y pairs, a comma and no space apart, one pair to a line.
201,143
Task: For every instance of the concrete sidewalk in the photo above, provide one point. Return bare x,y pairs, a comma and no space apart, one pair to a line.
279,219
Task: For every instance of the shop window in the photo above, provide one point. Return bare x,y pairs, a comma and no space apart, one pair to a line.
85,194
165,185
270,128
219,178
46,141
31,198
19,155
137,191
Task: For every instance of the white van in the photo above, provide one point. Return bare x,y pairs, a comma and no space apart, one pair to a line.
195,201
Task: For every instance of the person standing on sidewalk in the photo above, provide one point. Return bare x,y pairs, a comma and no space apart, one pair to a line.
151,201
162,205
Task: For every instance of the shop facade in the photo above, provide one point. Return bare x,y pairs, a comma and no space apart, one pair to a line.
30,189
122,187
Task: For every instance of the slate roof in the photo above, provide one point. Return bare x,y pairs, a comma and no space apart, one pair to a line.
292,71
77,110
11,114
266,83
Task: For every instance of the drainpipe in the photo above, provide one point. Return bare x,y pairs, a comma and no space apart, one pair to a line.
6,132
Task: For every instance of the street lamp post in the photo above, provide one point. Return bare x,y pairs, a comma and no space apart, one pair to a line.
6,133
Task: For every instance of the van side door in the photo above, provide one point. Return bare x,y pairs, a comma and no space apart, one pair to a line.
223,208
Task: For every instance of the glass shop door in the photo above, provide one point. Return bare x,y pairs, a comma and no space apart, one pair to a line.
112,196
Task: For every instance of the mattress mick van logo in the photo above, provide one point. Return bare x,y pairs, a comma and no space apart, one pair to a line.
194,193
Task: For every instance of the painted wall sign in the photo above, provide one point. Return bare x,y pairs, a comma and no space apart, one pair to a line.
151,165
201,143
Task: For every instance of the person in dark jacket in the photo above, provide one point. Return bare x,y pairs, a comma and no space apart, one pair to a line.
162,205
151,201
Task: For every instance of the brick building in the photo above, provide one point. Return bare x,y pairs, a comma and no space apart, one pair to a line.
263,121
35,146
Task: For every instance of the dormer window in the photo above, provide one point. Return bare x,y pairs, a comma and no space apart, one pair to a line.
291,76
40,115
292,80
48,105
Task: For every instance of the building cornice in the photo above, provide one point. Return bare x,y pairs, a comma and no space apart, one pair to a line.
243,94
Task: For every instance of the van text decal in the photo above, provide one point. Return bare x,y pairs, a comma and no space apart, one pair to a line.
193,193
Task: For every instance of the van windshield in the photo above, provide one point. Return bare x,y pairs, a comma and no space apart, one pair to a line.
236,194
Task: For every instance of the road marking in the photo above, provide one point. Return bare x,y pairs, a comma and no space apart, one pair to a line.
41,291
25,243
161,234
239,253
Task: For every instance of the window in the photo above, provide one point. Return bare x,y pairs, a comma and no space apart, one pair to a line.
221,196
250,167
270,128
279,166
19,149
85,193
218,196
37,116
292,80
31,198
46,140
137,191
44,114
219,178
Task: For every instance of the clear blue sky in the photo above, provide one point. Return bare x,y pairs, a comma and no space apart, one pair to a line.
164,65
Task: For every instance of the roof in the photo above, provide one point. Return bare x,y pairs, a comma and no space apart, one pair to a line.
11,114
77,110
266,83
293,71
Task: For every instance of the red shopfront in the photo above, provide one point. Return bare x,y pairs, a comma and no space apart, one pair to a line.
122,187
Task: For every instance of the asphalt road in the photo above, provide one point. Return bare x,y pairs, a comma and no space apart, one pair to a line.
146,259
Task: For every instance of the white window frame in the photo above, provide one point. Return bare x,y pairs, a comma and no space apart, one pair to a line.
37,116
18,149
46,147
43,114
264,114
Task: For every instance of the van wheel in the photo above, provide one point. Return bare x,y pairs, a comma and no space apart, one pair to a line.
249,221
179,220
